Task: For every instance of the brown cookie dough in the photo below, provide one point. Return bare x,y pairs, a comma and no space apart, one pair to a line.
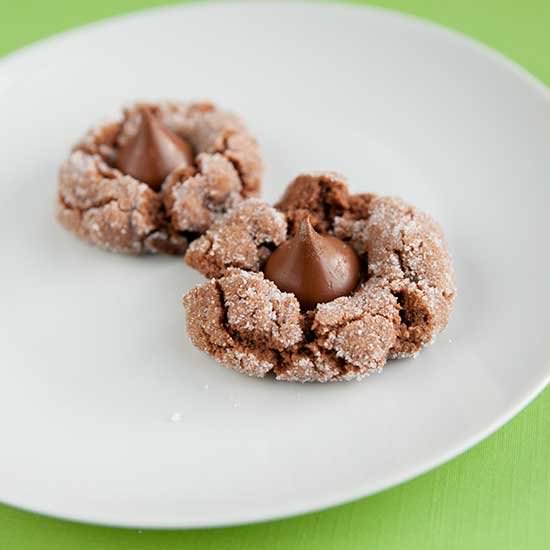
403,301
244,238
115,211
322,197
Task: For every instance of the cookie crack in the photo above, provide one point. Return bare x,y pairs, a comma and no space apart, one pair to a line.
95,205
275,318
234,335
223,319
236,165
340,364
330,212
99,205
405,320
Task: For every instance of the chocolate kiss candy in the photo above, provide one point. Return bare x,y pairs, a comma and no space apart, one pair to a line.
153,152
315,268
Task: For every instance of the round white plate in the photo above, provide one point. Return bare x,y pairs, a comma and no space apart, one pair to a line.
109,415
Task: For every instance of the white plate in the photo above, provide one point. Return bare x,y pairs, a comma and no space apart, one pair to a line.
94,357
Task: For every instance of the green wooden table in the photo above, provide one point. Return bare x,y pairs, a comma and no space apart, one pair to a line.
494,496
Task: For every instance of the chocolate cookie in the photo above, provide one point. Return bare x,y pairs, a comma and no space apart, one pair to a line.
158,178
403,299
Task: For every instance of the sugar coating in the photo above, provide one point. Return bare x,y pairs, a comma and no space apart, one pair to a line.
243,238
246,323
195,200
117,212
242,320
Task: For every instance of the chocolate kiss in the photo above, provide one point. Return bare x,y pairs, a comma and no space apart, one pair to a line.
315,268
153,152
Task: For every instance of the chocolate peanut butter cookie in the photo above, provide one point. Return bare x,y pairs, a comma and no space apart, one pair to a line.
158,177
327,286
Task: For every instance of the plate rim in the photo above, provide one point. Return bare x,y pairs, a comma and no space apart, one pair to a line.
7,61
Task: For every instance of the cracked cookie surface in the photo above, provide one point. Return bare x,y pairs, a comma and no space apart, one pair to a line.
115,211
245,322
243,238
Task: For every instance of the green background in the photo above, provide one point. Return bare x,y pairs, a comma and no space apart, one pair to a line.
494,496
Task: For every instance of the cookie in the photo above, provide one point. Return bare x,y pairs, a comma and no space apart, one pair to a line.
403,299
115,194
